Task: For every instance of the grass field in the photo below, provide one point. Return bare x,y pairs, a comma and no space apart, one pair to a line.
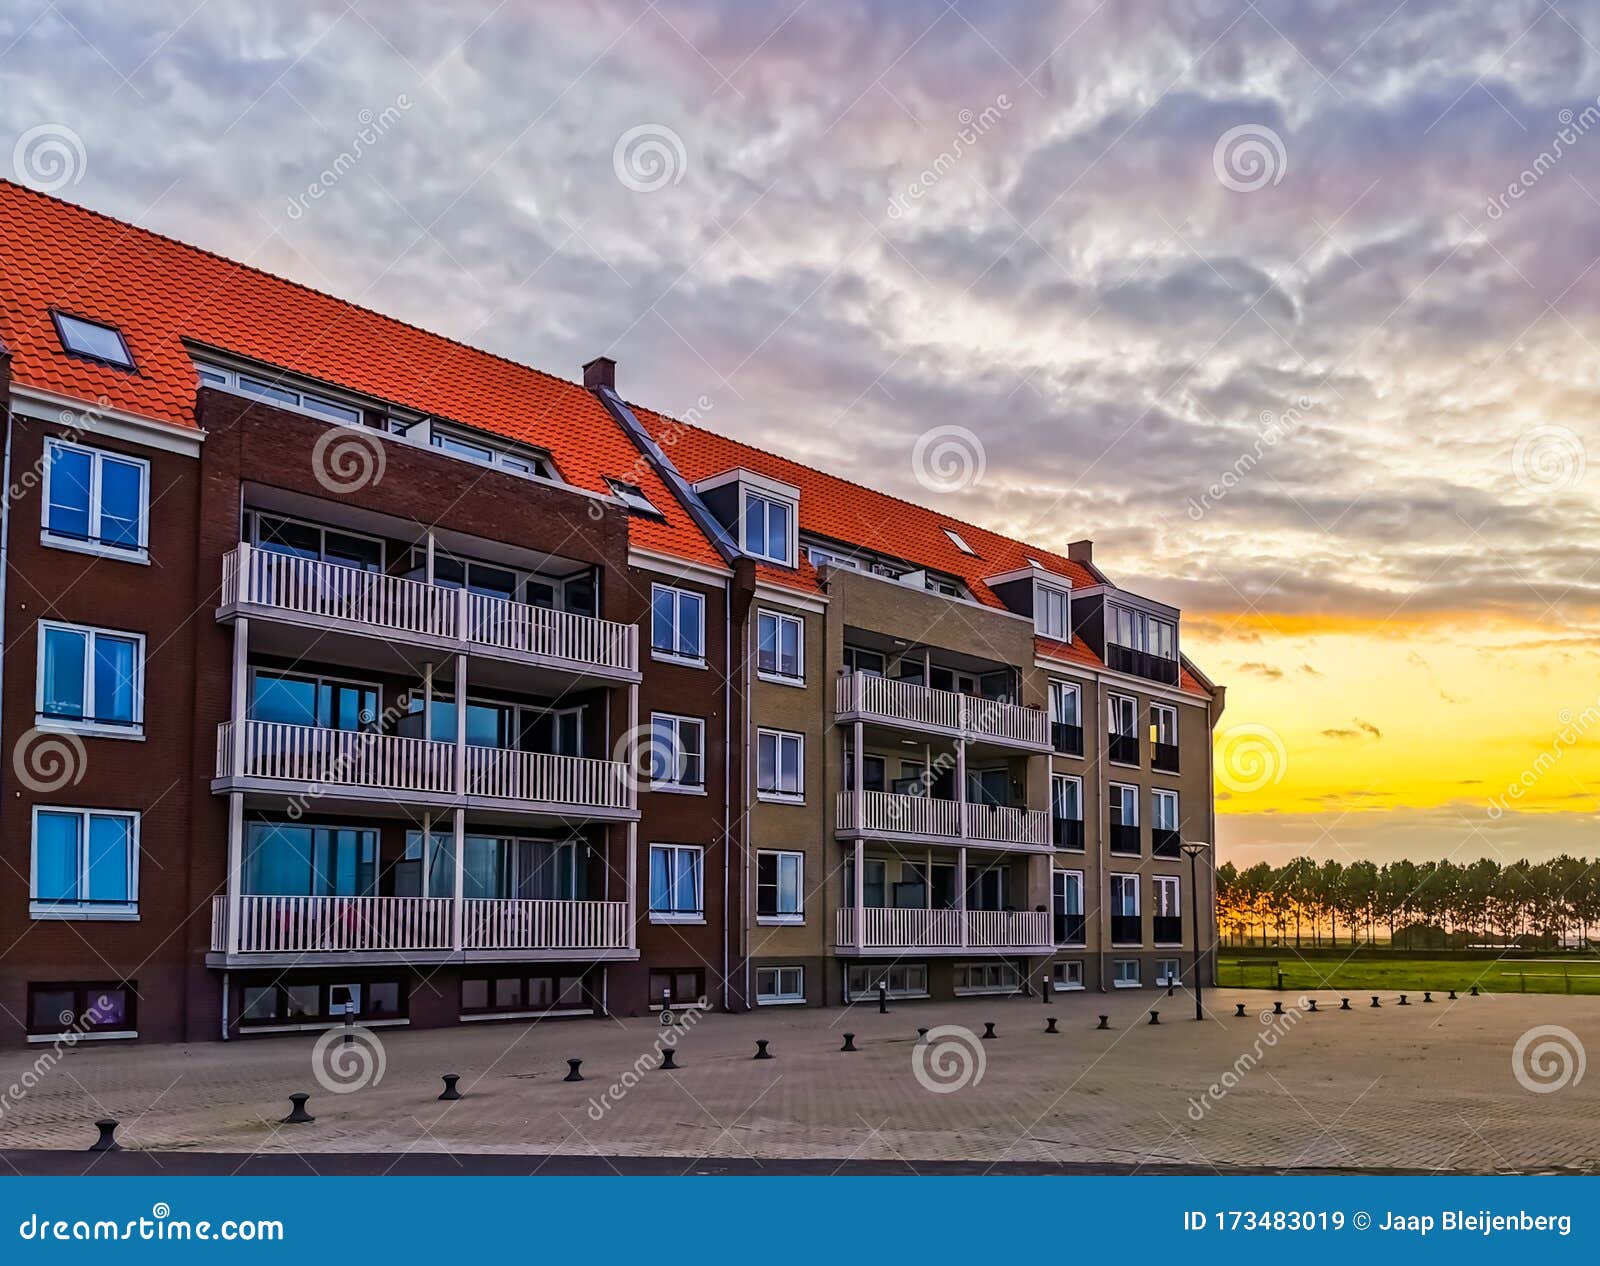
1338,970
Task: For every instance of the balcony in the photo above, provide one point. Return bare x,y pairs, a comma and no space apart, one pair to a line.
1066,832
892,931
1166,929
1071,929
888,815
326,597
1066,740
1125,929
418,928
1124,840
356,765
1124,659
1165,843
864,697
1123,749
1164,757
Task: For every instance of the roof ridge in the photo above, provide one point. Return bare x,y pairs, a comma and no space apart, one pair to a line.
288,281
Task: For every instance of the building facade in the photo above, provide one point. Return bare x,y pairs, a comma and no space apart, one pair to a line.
346,667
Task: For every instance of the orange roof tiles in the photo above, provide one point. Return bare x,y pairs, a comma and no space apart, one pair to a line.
158,292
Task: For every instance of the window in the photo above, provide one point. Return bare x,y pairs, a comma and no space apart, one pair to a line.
1123,745
955,539
778,647
85,864
905,980
780,765
105,1008
1123,804
677,883
780,887
987,978
677,986
518,993
1141,632
768,528
632,496
1125,973
1068,975
312,541
1167,928
1071,927
324,702
1164,738
874,772
775,985
989,887
1164,838
1125,929
306,400
677,624
91,679
1169,971
677,753
827,558
291,859
1066,719
1066,810
874,885
93,341
95,501
295,1002
1052,612
536,464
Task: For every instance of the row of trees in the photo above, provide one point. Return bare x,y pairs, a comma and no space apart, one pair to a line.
1481,901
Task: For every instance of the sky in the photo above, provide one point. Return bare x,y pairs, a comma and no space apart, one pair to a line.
1293,308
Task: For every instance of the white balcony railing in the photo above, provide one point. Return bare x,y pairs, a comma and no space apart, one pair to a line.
922,707
391,605
277,752
343,925
883,928
887,813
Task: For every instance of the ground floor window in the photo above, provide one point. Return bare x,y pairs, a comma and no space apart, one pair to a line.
1168,971
905,980
95,1007
516,992
1068,975
780,984
278,1002
1125,973
987,978
678,986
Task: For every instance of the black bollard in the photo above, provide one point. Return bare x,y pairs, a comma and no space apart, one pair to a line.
1105,1023
1050,1024
1403,1001
107,1142
1344,1004
1238,1013
1155,1017
297,1110
669,1060
849,1042
1452,995
450,1091
922,1037
761,1050
1044,989
883,997
572,1070
1375,1001
1277,1007
1311,1004
1427,996
988,1031
1473,991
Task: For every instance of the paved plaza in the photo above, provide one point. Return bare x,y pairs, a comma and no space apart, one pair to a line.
1420,1087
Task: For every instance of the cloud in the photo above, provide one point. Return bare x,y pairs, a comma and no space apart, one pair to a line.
1358,729
1261,670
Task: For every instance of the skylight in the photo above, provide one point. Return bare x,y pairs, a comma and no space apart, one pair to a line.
632,496
961,545
92,340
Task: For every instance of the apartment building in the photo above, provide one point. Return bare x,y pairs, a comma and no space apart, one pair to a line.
349,666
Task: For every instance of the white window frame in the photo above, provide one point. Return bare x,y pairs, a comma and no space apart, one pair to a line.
959,543
777,675
1076,781
97,456
1082,905
1158,797
697,915
874,972
1120,800
1137,629
777,995
679,598
1129,882
992,976
792,918
746,496
679,723
1128,706
1169,971
1043,594
1067,975
119,912
1159,712
1117,979
781,739
1161,887
1060,689
133,730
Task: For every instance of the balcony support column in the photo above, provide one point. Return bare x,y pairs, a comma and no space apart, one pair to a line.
632,871
961,784
241,692
235,869
859,897
458,908
961,891
461,720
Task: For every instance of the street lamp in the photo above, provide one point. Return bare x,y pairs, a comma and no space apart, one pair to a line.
1192,852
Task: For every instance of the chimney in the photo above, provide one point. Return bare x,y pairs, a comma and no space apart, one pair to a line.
600,372
1081,552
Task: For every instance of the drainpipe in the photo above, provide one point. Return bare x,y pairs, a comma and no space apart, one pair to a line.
1101,829
727,792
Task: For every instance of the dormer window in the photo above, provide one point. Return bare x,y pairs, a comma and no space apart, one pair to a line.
1052,612
1142,643
93,341
632,496
524,463
768,528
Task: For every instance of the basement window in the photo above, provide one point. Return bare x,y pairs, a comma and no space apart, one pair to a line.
93,341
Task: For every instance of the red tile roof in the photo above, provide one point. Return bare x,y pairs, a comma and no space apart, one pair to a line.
158,292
